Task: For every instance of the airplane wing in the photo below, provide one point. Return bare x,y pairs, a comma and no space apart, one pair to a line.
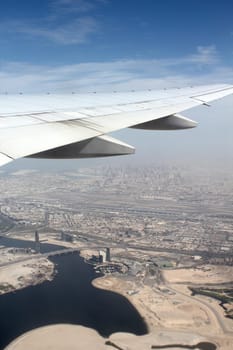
75,126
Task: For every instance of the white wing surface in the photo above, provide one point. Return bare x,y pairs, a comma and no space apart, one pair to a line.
74,126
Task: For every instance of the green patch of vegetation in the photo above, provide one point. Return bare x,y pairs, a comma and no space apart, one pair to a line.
225,296
5,287
164,264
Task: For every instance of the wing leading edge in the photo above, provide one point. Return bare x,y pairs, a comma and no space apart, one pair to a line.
75,126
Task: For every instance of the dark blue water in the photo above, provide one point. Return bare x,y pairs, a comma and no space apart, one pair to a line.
69,298
17,243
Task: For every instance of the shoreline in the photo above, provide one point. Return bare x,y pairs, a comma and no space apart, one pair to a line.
76,337
214,335
32,272
157,306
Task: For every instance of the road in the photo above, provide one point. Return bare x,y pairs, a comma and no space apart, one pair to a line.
217,315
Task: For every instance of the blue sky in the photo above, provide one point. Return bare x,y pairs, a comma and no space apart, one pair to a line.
64,45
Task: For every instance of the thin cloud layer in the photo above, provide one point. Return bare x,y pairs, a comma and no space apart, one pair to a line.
76,32
202,67
67,23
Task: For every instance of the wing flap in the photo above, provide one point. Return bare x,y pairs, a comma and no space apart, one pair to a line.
26,140
127,119
23,141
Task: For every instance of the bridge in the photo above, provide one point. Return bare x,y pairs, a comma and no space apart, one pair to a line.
54,253
71,251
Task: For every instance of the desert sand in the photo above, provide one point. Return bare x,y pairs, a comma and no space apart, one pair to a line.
25,273
71,337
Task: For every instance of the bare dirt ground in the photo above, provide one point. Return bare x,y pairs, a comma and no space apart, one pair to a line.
26,273
171,307
63,337
213,274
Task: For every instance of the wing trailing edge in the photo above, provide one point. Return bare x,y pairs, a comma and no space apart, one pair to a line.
59,126
4,159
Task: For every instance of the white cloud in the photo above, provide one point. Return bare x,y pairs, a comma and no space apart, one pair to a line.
206,55
75,32
116,75
67,22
